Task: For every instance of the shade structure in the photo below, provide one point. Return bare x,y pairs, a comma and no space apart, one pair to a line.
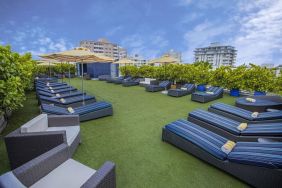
46,64
81,55
78,54
166,59
125,62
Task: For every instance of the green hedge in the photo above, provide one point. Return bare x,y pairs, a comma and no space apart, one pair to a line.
16,76
58,68
253,78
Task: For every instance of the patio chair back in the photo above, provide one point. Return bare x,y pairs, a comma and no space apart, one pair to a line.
189,86
164,84
215,90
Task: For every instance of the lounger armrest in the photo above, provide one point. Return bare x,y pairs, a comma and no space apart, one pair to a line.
105,177
34,170
63,120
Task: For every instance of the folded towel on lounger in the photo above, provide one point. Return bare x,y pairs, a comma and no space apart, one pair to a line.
228,146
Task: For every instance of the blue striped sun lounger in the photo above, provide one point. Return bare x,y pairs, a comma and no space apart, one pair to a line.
85,112
74,101
242,115
235,130
257,163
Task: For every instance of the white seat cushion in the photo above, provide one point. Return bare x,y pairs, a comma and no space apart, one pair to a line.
71,132
9,180
37,124
70,174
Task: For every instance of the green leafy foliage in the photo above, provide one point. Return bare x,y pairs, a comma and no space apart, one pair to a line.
219,76
235,78
278,84
16,76
58,68
202,72
259,79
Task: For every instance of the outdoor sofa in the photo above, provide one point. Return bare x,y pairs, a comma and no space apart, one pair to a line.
41,134
53,87
258,164
74,101
58,96
132,82
164,85
55,168
260,103
211,94
234,130
243,115
148,81
85,112
186,89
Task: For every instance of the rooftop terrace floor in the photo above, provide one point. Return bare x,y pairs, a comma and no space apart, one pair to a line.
131,138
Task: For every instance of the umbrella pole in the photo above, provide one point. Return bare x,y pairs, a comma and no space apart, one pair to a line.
82,83
62,72
69,76
49,70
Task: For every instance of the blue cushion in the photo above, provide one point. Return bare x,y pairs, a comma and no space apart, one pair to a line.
247,114
259,154
199,136
216,120
68,100
266,129
79,110
164,84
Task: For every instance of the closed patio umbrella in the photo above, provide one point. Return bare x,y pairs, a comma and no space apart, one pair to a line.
79,54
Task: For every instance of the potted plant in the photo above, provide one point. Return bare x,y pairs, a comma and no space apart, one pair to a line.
235,80
259,79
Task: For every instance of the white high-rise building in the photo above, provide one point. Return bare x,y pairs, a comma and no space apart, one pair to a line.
217,55
105,47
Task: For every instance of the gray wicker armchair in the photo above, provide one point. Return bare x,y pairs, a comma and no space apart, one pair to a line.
55,168
41,134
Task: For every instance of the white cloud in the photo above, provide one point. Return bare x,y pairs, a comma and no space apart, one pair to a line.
254,28
260,34
202,35
38,40
149,46
114,30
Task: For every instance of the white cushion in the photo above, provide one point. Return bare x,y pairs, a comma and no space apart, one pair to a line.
10,180
184,88
37,124
71,132
70,174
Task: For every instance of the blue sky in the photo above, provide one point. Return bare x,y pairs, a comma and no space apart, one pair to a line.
148,28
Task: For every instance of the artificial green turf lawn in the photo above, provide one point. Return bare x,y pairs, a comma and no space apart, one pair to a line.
131,138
